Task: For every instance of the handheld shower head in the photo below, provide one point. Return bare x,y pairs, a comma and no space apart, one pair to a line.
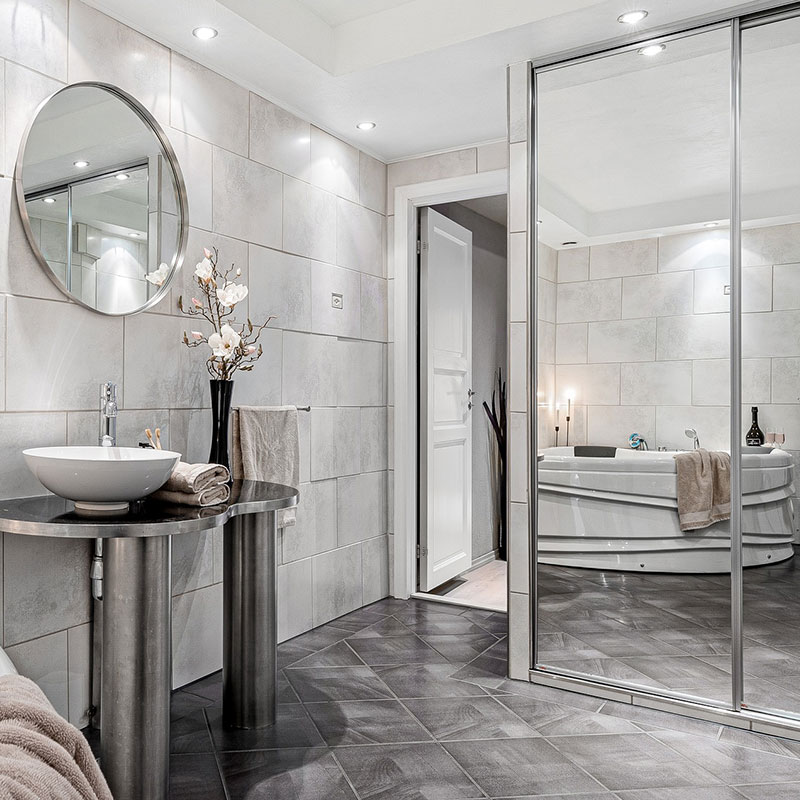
691,433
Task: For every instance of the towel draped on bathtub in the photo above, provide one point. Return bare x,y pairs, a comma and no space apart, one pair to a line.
704,488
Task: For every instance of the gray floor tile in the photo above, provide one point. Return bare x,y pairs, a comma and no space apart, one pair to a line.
318,684
284,775
336,655
460,649
405,772
388,626
395,650
190,734
770,791
293,728
194,777
366,722
633,761
453,719
683,793
551,719
513,767
551,694
427,680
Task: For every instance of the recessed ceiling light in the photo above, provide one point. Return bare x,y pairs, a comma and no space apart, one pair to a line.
122,176
80,164
631,17
366,126
652,49
539,221
134,234
710,224
568,244
205,32
49,200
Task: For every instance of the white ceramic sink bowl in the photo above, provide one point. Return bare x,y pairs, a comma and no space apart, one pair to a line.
101,479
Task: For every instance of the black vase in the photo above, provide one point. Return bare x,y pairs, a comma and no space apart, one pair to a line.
221,394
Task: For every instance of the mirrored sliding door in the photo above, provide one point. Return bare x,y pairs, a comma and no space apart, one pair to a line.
633,195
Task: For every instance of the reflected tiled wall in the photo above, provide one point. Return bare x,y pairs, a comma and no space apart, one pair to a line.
302,214
642,336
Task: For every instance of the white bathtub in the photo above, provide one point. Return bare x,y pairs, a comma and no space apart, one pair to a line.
621,513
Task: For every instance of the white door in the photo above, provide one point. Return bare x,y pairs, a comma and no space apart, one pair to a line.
445,399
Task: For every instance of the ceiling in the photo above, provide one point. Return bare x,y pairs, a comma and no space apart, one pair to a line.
430,73
493,208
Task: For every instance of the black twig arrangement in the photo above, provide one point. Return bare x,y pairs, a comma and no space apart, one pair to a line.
497,419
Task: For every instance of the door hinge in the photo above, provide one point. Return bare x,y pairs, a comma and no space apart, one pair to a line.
421,551
419,247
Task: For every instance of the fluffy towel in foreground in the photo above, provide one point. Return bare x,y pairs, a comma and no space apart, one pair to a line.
211,496
192,478
704,488
42,756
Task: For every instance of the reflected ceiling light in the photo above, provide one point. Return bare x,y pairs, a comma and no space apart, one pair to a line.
631,17
652,49
134,234
539,221
568,244
710,224
49,200
205,32
122,176
80,164
366,126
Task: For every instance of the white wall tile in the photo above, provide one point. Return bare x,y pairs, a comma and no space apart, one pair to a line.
572,343
662,295
374,308
375,569
48,342
518,363
190,433
359,238
711,381
771,334
34,34
206,105
82,427
637,257
335,442
695,250
24,90
518,553
196,634
588,384
518,187
709,290
517,458
518,105
712,424
428,168
247,199
586,301
192,561
492,156
280,286
336,583
612,425
279,139
546,342
315,530
334,165
518,277
309,221
309,369
361,507
573,264
656,383
776,416
372,183
295,611
786,286
785,380
547,265
779,244
20,431
361,373
704,336
374,439
622,340
326,281
546,300
195,158
79,671
519,636
44,661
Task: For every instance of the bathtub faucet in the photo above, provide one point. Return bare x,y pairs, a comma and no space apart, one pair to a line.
637,442
692,434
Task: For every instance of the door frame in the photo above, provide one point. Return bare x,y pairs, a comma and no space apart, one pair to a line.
404,377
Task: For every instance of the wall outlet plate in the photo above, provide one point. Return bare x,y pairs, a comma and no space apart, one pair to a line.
337,301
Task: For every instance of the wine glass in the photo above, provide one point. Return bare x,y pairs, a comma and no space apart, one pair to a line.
780,438
770,437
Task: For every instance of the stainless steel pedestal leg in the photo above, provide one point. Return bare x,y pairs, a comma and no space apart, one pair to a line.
137,668
250,624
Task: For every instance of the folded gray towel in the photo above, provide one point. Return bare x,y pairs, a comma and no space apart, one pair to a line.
704,488
193,478
266,447
212,496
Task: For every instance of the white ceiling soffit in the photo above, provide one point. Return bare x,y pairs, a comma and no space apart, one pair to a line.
430,73
493,208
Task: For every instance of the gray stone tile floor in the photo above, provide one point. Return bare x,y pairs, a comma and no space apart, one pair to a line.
408,700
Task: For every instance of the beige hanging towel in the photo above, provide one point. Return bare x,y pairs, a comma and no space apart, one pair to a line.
704,488
266,447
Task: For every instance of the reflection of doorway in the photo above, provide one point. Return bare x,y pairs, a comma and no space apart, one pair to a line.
462,351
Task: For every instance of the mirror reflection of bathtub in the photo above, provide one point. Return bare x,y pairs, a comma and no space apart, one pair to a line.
621,513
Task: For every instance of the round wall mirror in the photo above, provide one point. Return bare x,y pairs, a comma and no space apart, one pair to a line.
102,199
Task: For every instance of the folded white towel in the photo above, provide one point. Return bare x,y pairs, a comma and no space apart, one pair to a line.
266,447
210,496
193,478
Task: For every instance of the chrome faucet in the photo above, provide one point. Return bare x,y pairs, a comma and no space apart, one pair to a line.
692,434
108,414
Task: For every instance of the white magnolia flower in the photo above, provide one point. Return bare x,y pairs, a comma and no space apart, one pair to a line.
158,276
204,270
231,294
224,343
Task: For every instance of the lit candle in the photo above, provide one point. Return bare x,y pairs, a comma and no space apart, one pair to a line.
569,406
557,413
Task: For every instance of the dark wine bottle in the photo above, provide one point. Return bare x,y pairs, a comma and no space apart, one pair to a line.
755,436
